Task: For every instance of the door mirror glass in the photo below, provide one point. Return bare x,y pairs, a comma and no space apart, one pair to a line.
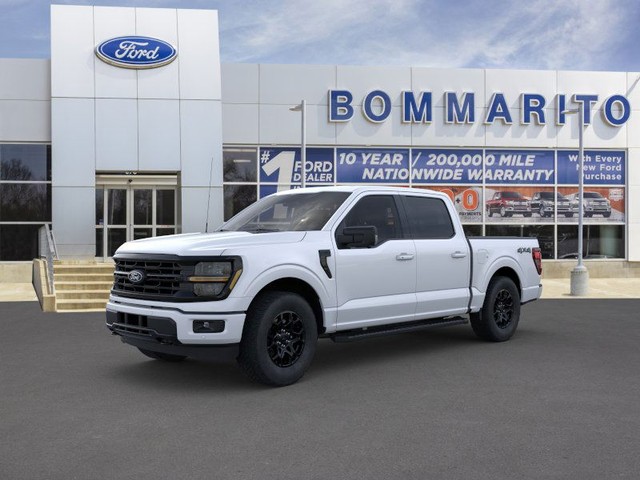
365,236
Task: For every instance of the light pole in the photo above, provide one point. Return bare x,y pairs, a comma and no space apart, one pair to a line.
302,107
580,274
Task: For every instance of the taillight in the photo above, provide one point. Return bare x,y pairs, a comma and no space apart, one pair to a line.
536,253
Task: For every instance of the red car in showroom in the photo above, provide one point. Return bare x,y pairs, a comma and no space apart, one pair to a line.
507,204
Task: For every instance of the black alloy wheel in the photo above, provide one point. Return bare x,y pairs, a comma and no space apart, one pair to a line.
279,338
498,318
503,309
285,339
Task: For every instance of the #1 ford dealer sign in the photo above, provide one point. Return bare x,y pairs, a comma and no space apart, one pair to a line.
136,52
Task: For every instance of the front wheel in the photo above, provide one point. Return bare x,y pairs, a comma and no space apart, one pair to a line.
279,339
498,319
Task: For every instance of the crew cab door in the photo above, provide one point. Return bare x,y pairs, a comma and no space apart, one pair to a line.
443,257
376,283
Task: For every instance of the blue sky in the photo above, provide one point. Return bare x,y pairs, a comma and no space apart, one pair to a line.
532,34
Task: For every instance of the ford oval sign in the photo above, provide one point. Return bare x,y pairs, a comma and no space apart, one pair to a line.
136,277
136,52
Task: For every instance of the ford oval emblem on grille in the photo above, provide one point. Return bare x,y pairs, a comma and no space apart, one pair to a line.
136,52
136,277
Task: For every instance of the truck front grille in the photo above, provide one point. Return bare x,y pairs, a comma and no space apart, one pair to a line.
161,278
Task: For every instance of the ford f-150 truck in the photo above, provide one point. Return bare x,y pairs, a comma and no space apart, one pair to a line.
345,263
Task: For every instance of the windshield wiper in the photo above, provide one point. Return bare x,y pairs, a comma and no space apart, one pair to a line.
262,230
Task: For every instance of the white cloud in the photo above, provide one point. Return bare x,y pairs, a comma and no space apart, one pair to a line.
548,34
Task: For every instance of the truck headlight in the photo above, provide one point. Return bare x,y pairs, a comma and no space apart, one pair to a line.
211,278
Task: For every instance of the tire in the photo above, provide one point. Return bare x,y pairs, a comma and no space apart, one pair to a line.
167,357
588,215
498,319
606,215
542,212
527,214
568,215
279,339
489,212
503,212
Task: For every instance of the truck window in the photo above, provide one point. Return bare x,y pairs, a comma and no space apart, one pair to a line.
375,210
428,218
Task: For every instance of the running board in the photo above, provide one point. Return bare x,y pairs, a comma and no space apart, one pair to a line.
405,327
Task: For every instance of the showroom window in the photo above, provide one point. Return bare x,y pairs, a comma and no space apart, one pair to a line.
496,192
25,198
240,179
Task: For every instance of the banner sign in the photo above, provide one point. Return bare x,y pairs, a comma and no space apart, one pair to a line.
367,165
283,166
519,167
437,166
601,167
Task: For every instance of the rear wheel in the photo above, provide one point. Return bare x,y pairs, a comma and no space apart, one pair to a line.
498,319
279,338
167,357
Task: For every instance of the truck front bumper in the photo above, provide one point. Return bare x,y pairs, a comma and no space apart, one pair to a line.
154,324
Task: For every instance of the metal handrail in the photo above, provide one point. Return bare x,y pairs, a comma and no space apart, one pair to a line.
48,250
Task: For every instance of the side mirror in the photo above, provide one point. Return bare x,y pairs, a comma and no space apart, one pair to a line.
357,237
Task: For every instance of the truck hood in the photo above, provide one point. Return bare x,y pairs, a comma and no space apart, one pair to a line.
197,244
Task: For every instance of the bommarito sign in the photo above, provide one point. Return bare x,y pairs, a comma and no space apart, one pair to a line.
460,108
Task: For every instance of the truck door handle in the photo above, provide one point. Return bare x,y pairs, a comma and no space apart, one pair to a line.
404,256
458,254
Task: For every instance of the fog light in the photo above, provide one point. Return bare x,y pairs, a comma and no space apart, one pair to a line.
208,326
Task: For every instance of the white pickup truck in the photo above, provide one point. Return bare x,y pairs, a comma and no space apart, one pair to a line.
345,263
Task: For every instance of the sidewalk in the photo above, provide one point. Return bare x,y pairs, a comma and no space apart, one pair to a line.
598,288
17,292
552,288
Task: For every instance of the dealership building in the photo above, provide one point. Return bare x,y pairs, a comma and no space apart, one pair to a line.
134,129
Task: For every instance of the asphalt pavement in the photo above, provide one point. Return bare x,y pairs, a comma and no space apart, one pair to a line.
560,400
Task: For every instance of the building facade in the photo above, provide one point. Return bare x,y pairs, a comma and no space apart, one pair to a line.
107,154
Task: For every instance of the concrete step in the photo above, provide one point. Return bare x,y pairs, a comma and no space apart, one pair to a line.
93,285
83,269
74,304
83,277
82,294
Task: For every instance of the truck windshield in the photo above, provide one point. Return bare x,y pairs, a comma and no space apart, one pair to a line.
511,195
283,213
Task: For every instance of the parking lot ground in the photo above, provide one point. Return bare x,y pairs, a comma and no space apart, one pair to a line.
560,400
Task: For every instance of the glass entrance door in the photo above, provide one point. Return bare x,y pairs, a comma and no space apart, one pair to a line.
131,212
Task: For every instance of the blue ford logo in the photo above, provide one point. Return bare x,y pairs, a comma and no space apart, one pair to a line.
136,52
136,277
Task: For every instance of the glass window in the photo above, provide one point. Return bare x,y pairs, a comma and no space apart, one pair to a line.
428,218
544,234
18,242
237,198
100,207
472,230
115,238
25,202
165,231
142,206
599,241
30,163
378,211
239,164
165,207
117,206
99,242
289,212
